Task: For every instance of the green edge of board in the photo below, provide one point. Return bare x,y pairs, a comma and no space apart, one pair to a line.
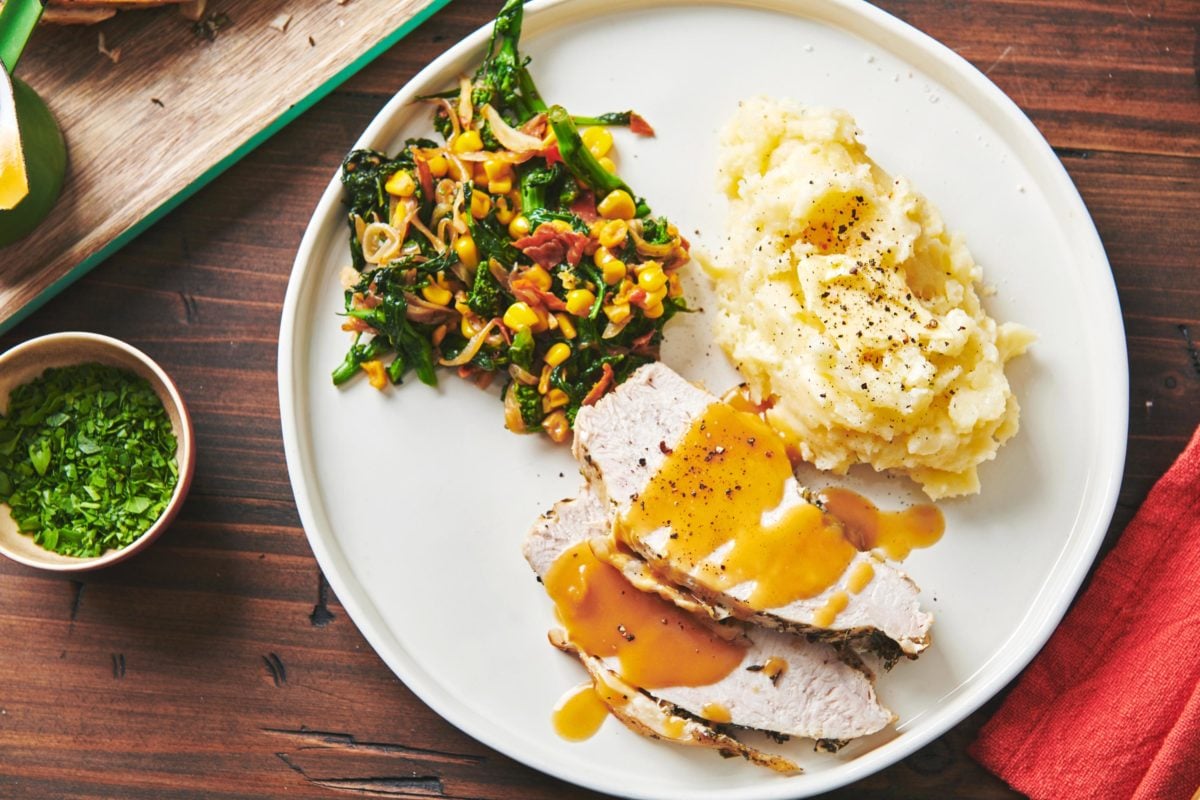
126,236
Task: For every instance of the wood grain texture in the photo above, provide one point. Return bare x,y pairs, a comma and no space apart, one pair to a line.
219,665
142,129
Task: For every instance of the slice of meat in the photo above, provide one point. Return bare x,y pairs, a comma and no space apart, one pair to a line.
624,439
658,720
784,684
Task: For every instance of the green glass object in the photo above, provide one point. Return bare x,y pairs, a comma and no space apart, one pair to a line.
45,163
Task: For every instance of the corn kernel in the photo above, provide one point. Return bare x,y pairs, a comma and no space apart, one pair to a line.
481,204
540,278
464,246
611,267
401,184
544,381
565,326
655,297
493,168
519,227
617,314
468,141
500,186
653,311
457,170
561,225
613,233
376,375
438,166
598,140
558,353
613,271
617,205
519,315
468,325
479,176
555,398
437,295
504,212
579,302
556,426
608,164
496,168
674,285
651,276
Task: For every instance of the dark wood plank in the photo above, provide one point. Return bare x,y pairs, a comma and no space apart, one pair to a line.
219,665
1092,74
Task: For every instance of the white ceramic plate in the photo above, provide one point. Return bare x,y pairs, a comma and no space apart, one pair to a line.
416,500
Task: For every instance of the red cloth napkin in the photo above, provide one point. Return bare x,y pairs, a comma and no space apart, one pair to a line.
1111,707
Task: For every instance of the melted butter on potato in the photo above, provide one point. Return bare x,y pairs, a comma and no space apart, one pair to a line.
843,296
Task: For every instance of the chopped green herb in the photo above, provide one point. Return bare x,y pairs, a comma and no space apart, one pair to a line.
87,458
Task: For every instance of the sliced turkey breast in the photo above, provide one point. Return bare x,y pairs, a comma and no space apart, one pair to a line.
643,714
784,684
624,439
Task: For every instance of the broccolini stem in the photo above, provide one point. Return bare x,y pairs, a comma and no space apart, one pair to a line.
580,161
355,356
531,94
611,118
533,189
346,370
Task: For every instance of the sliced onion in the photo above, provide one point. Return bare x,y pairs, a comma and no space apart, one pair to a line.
466,111
499,272
437,243
534,125
460,271
446,190
522,375
472,347
442,215
512,411
421,310
450,112
457,209
613,329
653,250
499,155
380,242
509,136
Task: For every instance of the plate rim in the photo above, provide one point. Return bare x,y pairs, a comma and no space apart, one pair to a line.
1103,479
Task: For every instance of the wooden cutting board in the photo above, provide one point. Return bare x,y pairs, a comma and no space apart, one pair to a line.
148,128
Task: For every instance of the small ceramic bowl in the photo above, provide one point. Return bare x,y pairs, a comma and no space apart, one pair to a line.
26,362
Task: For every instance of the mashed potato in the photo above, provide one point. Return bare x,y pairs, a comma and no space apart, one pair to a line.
843,297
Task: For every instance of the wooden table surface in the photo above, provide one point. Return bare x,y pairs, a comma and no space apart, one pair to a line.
218,664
